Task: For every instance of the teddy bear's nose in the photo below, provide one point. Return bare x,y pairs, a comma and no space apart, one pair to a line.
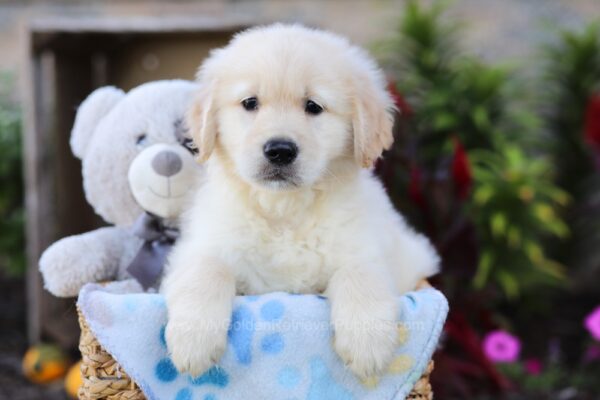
167,163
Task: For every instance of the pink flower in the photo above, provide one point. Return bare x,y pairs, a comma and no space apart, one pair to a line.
501,347
533,366
592,323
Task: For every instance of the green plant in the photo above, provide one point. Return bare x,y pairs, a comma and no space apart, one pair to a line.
12,241
514,208
469,169
470,129
572,111
571,77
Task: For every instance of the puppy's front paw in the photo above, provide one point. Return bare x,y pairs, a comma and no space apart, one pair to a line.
366,345
194,347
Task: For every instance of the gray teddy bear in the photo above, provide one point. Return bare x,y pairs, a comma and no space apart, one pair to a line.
138,172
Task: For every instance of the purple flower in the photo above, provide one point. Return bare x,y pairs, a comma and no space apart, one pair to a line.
592,323
501,347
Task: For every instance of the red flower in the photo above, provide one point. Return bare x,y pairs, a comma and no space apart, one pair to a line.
592,122
533,366
415,189
399,101
461,170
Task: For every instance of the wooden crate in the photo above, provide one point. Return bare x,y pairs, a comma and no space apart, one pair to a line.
66,59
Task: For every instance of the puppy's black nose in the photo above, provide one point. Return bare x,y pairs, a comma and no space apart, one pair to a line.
280,152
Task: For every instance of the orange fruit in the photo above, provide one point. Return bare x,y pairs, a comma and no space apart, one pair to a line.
73,380
44,363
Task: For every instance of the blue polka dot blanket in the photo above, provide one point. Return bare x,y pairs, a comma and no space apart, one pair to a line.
279,347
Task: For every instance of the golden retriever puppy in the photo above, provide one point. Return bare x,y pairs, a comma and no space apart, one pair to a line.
289,121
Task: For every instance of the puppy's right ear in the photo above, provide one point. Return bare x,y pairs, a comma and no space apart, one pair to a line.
201,121
95,107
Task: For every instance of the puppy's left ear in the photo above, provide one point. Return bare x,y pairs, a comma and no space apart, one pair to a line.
373,118
201,120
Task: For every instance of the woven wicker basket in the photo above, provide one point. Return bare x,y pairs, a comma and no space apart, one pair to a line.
103,377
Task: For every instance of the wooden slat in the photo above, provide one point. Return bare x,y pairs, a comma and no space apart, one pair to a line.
120,25
38,187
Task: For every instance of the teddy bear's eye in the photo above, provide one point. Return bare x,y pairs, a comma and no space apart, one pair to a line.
190,145
141,139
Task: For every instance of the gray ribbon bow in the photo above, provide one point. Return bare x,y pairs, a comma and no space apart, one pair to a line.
148,264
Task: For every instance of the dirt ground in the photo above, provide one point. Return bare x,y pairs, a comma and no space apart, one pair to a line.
13,344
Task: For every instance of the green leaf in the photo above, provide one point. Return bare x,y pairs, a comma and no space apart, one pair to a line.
514,237
498,224
483,271
534,252
508,283
558,228
526,193
544,212
480,117
483,194
552,268
444,121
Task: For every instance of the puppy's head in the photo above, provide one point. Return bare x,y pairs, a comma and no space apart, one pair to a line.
281,104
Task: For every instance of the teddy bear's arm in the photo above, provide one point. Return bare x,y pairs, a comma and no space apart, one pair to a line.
94,256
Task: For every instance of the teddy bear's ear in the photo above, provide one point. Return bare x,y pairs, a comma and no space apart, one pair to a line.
95,107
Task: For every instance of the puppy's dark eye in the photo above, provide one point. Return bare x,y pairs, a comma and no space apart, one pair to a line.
141,139
250,104
190,145
312,108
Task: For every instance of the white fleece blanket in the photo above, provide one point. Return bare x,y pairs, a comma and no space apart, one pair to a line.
279,347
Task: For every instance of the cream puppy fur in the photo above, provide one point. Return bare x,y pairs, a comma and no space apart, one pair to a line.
289,119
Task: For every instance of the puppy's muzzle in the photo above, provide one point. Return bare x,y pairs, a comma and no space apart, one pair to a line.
280,152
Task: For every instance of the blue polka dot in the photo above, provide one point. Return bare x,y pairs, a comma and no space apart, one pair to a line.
288,377
251,298
272,343
210,396
161,336
215,376
165,370
184,394
412,302
240,334
272,310
321,297
323,385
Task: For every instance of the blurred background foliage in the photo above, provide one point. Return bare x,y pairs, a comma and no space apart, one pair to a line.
572,116
501,171
12,239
